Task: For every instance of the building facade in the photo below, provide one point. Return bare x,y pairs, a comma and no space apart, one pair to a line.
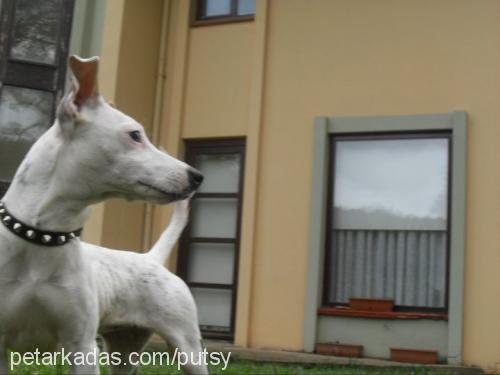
350,150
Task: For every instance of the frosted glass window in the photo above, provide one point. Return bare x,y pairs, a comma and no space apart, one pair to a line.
214,217
246,7
211,263
391,184
217,8
210,249
214,306
36,31
221,171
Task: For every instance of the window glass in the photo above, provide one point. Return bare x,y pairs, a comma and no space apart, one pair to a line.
214,217
217,8
407,266
246,7
389,230
211,263
214,306
391,184
221,171
25,114
36,31
209,250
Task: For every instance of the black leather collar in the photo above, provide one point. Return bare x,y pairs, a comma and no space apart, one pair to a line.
33,235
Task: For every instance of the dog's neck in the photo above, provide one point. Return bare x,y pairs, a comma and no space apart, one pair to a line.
38,194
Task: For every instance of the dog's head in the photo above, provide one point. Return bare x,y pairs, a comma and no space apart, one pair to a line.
108,152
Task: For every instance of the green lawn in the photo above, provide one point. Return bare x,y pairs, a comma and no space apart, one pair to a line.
255,368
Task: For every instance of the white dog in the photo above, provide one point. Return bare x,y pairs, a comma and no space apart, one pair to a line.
56,291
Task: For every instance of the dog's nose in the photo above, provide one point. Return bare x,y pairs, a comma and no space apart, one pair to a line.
195,178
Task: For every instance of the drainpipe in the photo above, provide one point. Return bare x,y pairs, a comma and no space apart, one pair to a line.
157,117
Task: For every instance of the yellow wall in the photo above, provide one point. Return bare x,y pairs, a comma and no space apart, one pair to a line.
206,92
351,58
334,58
128,77
135,95
374,58
107,86
218,81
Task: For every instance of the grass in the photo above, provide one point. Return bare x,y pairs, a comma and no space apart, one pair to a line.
254,368
261,368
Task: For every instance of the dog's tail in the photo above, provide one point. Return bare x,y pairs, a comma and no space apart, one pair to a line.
162,248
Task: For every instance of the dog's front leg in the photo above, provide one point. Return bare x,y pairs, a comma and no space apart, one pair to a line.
84,356
78,337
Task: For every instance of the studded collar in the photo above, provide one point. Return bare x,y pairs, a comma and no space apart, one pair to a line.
33,235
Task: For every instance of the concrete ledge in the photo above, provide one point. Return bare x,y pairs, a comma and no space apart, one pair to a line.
281,356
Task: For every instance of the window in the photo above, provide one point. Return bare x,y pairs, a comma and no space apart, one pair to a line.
321,279
209,250
218,11
33,56
388,215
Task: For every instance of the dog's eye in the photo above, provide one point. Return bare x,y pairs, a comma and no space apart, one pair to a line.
136,136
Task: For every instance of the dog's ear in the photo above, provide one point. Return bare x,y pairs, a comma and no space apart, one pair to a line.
83,88
85,73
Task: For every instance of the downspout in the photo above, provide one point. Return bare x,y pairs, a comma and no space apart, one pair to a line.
157,117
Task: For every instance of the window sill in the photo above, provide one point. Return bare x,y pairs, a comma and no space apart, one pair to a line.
221,20
344,311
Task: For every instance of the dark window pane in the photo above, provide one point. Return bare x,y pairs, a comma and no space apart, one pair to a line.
246,7
3,188
11,156
35,32
217,8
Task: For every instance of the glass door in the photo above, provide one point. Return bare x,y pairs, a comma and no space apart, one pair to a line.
208,259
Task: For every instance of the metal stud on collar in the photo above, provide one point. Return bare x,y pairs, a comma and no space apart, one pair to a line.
30,234
39,237
46,238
